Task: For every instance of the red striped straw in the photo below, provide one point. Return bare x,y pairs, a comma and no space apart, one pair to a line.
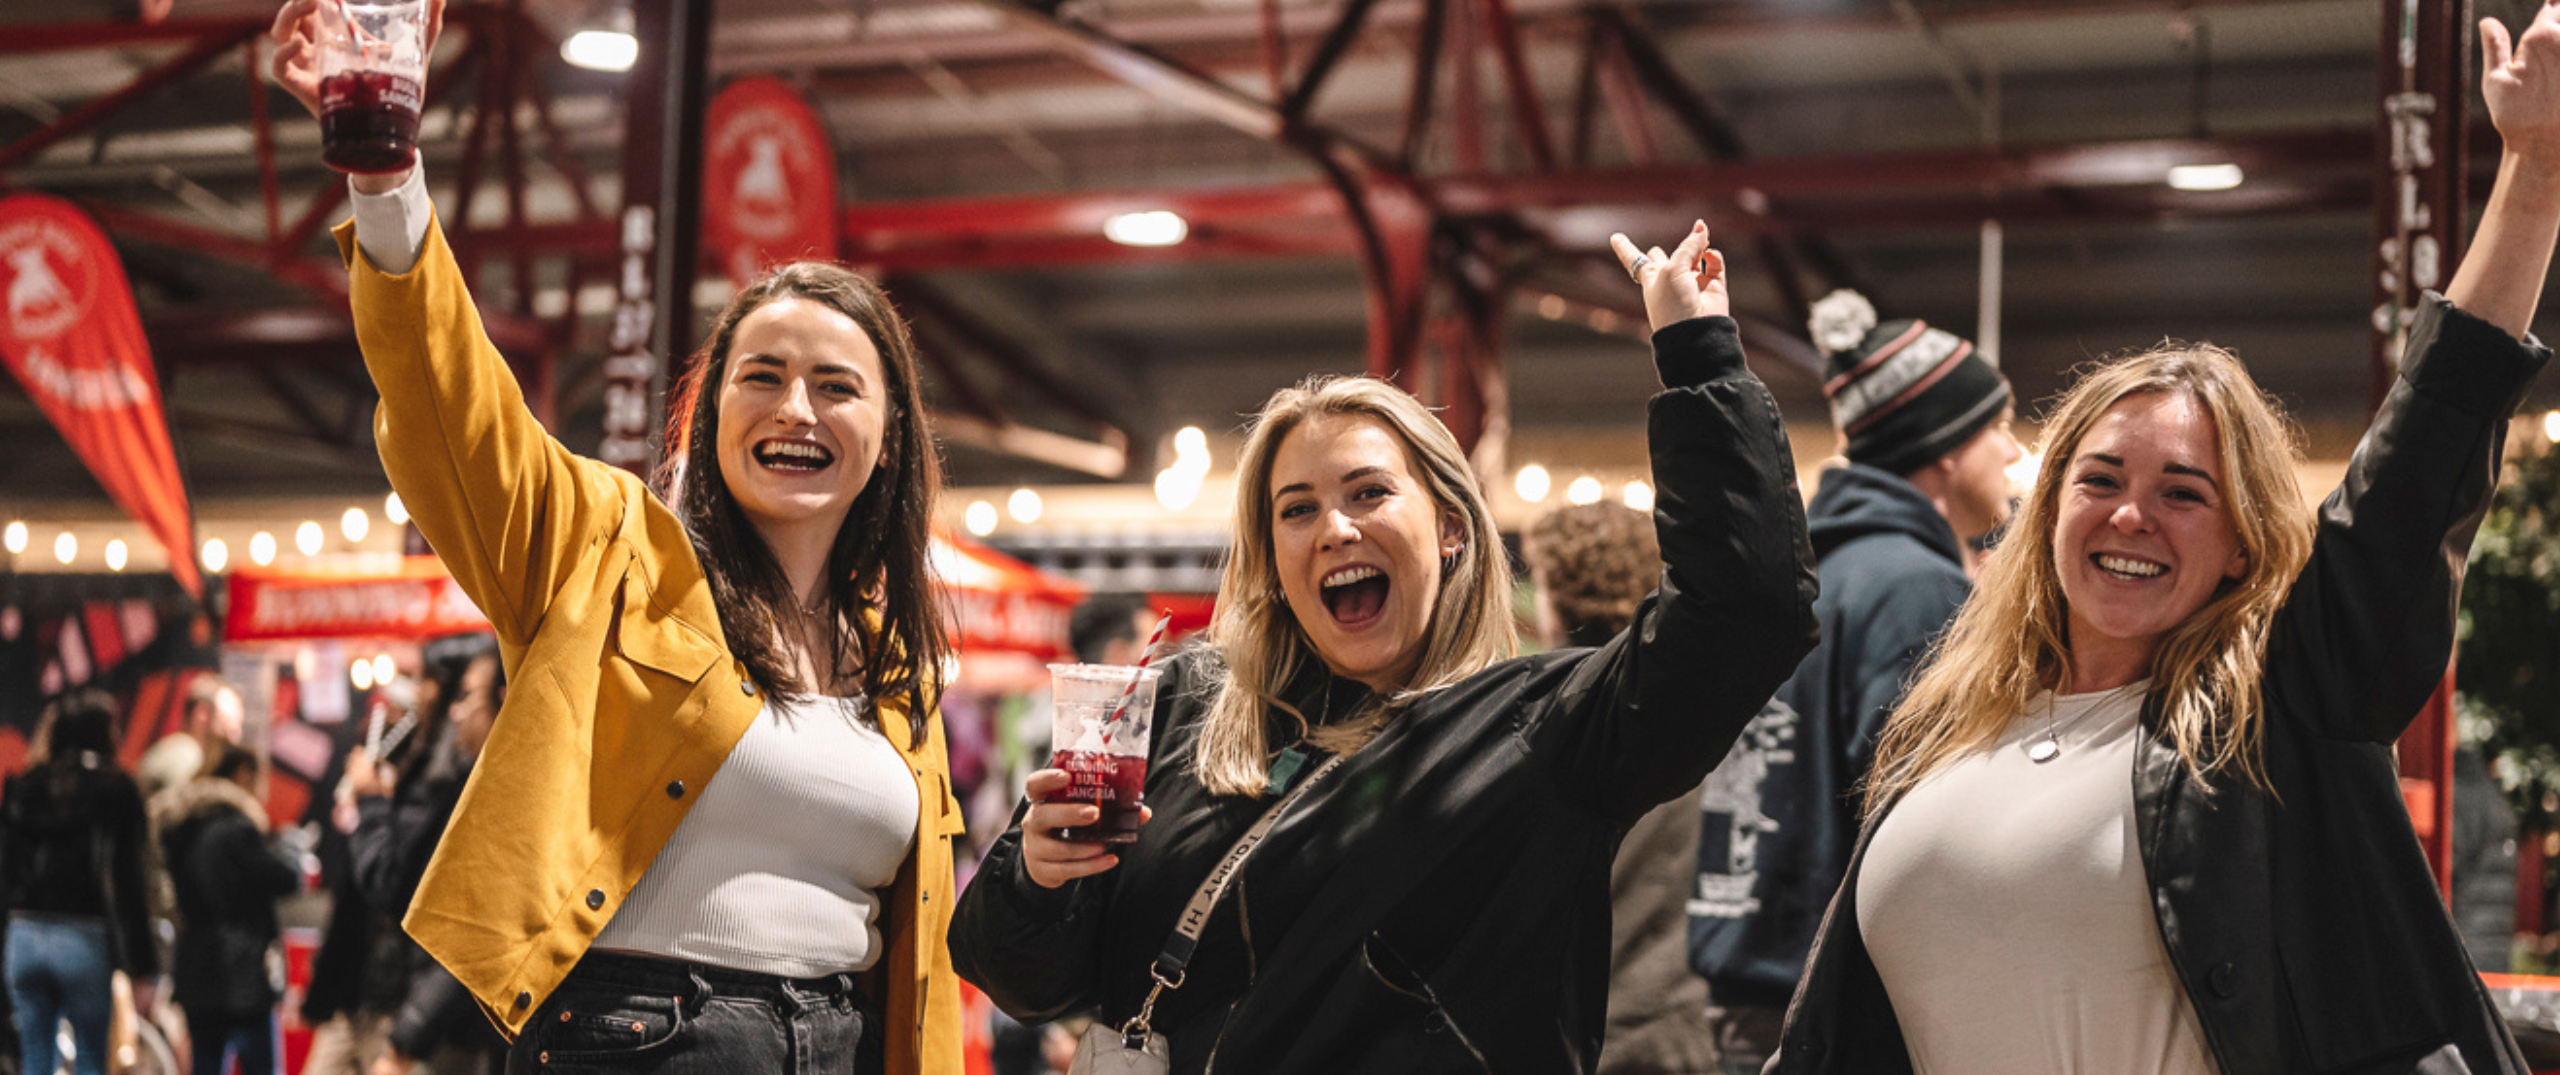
1146,657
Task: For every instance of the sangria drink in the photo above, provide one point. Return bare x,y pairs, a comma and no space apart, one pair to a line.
1099,738
373,67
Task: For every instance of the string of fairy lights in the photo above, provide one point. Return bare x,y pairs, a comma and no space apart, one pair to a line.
263,547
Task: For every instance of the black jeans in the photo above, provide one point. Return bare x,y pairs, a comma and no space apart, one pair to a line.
624,1013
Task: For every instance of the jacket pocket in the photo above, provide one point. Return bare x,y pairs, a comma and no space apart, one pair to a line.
652,638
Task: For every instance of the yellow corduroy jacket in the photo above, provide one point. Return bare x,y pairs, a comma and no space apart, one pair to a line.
623,698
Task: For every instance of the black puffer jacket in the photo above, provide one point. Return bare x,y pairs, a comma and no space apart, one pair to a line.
213,837
74,847
1440,902
2302,921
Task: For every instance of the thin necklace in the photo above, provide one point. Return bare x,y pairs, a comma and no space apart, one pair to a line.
2051,748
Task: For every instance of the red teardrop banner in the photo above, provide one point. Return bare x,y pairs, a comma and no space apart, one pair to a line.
69,333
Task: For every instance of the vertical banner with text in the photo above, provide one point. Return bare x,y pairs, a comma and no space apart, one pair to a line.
70,334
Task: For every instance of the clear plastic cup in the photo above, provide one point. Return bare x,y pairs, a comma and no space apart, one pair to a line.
1101,743
373,69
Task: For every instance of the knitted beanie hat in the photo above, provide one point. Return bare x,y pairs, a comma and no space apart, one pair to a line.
1902,394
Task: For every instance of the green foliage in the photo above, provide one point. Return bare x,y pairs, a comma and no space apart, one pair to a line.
2508,664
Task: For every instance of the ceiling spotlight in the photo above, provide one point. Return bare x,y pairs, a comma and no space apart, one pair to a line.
610,47
395,512
115,555
1584,490
262,548
1190,443
14,538
980,518
2550,430
1637,495
1532,483
1155,227
2204,176
354,524
66,547
306,538
1023,505
216,555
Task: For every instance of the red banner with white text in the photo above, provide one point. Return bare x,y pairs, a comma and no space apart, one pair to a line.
363,597
70,334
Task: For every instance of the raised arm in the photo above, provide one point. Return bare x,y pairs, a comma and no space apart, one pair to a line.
1644,717
2500,279
498,498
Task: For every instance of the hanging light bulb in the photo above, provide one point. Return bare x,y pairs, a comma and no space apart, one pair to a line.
216,555
980,518
395,512
115,554
66,548
262,548
1637,495
355,524
382,669
1532,483
14,538
1584,490
306,538
360,673
1023,505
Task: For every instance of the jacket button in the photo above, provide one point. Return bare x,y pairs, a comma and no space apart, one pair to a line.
2221,979
595,899
675,789
747,687
524,1000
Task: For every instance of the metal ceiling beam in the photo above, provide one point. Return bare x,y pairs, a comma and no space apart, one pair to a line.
206,49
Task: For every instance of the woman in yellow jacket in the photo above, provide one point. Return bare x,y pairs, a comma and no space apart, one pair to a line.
611,904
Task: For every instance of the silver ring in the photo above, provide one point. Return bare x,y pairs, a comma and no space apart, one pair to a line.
1635,267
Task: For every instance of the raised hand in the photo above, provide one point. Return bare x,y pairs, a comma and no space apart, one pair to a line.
1686,283
2521,79
296,33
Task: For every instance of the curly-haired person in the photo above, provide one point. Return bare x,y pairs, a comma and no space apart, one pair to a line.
1593,565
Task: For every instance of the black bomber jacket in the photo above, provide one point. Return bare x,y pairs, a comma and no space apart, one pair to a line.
2301,919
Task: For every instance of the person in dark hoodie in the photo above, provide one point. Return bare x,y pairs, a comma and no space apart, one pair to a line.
213,835
1926,424
74,832
402,812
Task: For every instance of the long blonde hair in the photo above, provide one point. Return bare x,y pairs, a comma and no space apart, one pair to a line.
2011,641
1260,641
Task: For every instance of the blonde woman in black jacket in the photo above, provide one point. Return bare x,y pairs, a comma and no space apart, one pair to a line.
1440,902
2140,816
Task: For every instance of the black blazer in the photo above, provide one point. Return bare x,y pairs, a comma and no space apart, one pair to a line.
1440,902
2302,921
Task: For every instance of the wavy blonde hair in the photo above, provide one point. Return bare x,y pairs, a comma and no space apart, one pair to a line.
2011,640
1260,641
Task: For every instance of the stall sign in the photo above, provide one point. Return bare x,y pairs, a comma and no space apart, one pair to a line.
412,597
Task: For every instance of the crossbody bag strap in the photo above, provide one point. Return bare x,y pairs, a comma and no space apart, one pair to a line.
1168,967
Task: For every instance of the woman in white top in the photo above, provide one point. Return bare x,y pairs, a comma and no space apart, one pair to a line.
2140,814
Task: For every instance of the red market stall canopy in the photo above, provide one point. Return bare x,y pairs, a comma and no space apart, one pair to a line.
1000,603
997,602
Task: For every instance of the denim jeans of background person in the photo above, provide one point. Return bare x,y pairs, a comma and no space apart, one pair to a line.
59,969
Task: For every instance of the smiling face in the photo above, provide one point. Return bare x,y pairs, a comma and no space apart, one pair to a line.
1357,541
802,409
2143,531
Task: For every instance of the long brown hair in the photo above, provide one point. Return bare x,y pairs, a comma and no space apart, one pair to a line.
1260,641
2012,639
880,563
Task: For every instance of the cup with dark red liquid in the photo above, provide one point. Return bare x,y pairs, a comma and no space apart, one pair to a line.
1098,736
373,66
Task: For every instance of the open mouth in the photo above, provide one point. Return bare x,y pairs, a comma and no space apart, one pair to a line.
2125,567
793,456
1354,596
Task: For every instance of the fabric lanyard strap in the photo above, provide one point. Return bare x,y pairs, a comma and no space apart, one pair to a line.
1168,967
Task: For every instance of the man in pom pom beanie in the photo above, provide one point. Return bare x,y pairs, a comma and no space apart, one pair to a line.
1925,426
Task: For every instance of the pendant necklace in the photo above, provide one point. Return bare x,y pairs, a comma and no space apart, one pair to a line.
2051,747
